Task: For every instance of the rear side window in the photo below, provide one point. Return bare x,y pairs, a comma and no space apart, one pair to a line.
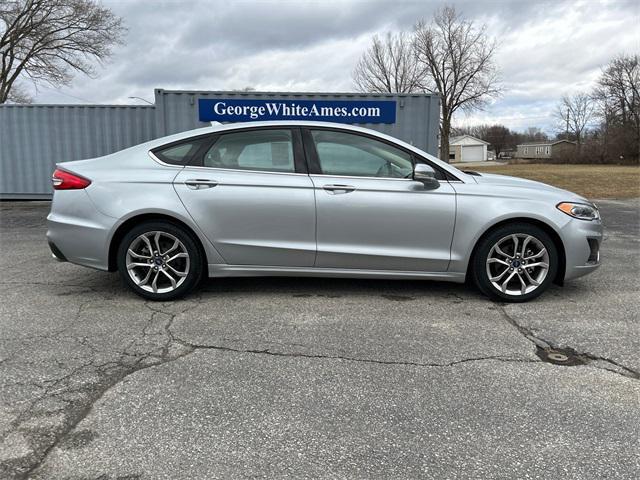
263,150
179,154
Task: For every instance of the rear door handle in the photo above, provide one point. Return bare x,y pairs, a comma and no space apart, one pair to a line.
200,183
338,189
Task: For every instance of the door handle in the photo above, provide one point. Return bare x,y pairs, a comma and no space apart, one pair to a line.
200,183
338,189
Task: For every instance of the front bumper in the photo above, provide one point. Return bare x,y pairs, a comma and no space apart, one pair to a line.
582,241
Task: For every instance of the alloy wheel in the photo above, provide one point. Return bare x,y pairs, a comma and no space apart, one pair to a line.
517,264
157,262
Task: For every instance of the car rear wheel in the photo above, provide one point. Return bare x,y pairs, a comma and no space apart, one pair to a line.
515,263
159,260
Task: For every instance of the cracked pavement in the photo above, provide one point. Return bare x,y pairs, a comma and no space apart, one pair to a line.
308,378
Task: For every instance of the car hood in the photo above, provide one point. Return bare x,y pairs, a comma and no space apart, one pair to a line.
507,181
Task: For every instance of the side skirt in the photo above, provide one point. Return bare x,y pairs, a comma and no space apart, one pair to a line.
223,270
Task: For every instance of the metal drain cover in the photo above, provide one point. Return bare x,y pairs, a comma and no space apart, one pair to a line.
557,357
561,356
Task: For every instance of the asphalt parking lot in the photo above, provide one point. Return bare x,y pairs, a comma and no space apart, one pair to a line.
314,378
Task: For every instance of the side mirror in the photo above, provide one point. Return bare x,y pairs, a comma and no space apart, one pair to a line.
427,175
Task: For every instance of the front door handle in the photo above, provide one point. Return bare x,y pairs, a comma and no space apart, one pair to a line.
338,189
200,183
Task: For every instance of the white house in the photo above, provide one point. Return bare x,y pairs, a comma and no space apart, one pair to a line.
465,148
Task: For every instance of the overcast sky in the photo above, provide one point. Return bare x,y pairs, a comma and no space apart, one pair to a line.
546,48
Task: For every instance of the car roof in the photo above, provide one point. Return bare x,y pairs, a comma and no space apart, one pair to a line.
220,127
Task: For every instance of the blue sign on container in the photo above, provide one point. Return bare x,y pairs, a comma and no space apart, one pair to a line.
342,111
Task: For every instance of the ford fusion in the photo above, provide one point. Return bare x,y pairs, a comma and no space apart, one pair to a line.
313,199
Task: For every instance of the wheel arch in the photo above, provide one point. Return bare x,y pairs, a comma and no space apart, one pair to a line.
131,222
548,229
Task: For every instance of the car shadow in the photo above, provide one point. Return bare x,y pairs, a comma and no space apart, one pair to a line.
338,287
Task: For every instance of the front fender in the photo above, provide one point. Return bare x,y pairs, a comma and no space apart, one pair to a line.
477,213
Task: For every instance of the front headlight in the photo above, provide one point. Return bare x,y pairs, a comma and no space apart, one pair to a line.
581,211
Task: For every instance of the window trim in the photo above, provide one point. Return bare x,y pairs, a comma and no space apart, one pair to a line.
313,161
305,157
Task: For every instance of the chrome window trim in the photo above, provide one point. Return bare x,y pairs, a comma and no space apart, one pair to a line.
379,178
164,164
197,167
238,170
363,177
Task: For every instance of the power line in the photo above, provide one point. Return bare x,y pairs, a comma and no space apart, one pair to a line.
59,92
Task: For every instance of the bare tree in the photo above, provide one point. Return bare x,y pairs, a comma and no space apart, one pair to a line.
534,134
389,66
618,95
573,115
18,94
480,131
498,136
458,58
50,40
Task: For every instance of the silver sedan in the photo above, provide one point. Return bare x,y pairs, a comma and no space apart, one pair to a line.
313,199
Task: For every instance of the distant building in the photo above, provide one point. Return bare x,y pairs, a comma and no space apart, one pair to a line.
465,148
546,150
507,153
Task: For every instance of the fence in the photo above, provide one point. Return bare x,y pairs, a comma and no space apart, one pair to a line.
33,138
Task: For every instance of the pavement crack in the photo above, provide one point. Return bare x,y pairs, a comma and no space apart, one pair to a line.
524,331
548,345
155,346
628,372
500,358
194,346
78,415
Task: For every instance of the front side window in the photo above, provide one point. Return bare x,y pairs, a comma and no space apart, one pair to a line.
346,154
179,154
263,150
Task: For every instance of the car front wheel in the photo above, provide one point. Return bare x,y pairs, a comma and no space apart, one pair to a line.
515,263
159,261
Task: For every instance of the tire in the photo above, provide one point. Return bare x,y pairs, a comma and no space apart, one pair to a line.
496,261
160,277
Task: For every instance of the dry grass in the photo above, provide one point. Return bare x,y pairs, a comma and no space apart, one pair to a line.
591,181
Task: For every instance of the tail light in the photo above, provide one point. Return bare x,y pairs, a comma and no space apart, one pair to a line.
63,180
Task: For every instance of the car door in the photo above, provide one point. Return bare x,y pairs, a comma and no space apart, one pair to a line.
371,214
250,194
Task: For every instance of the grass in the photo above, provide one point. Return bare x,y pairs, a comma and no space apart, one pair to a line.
590,181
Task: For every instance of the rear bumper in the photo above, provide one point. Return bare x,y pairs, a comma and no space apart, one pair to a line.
582,241
76,231
56,253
